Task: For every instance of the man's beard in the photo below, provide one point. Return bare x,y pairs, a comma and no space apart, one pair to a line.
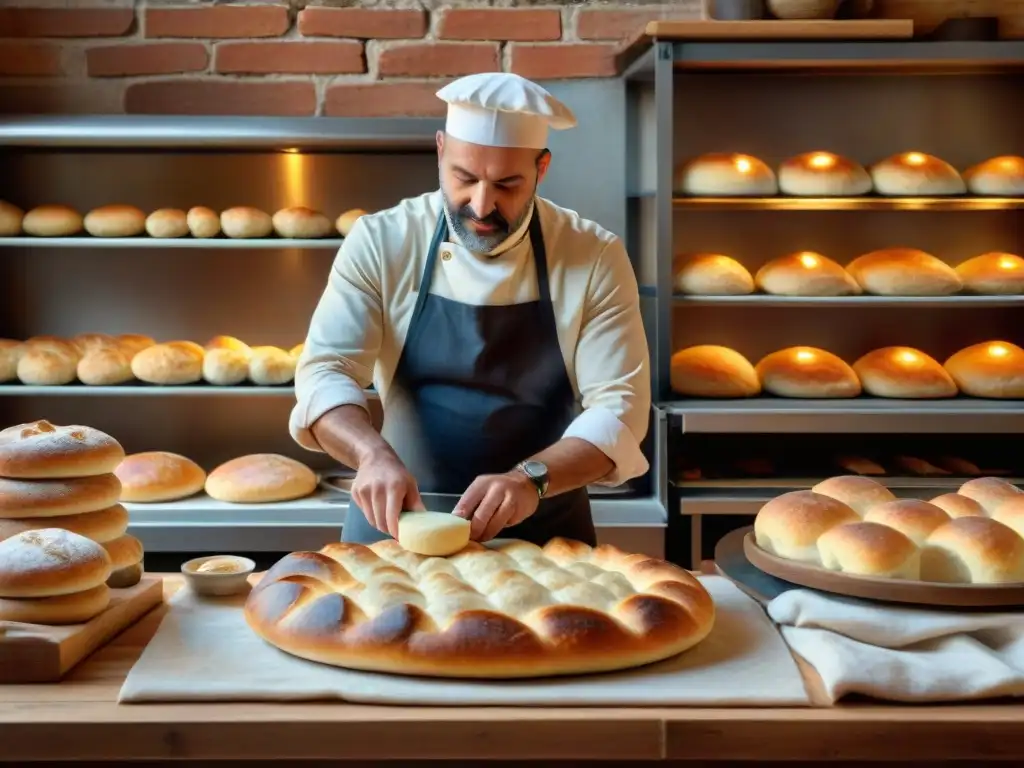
479,242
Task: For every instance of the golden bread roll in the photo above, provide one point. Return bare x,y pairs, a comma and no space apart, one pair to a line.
167,223
958,466
973,550
903,272
992,369
260,478
50,561
711,274
955,505
225,367
168,364
789,525
805,273
126,577
859,465
903,372
88,342
126,556
297,350
228,342
155,476
823,174
245,222
1011,514
870,549
301,222
1003,176
11,217
115,221
858,493
47,341
133,343
914,518
708,370
915,466
10,354
993,274
989,492
101,526
41,450
725,174
347,220
806,372
196,350
105,367
52,221
47,366
271,366
202,222
916,174
53,498
76,608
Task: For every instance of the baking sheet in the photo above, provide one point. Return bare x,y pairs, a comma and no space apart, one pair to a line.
204,651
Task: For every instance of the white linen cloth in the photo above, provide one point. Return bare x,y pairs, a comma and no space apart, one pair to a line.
204,651
360,325
899,653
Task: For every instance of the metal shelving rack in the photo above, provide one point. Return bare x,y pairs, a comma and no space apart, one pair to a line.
775,99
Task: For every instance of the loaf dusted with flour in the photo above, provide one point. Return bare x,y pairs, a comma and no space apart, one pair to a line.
507,610
41,450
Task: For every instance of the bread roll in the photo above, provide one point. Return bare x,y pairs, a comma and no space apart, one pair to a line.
916,174
167,223
125,562
203,222
807,372
168,364
711,274
41,366
296,351
156,476
989,492
301,222
789,525
433,534
805,273
914,518
89,342
725,174
189,347
1003,176
115,221
55,343
52,221
347,220
870,549
76,608
133,343
1011,514
859,465
41,450
225,367
105,367
912,465
11,217
52,498
973,550
228,342
993,274
992,369
903,372
10,355
955,505
903,272
958,466
49,562
260,478
708,370
101,526
823,174
271,366
858,493
245,222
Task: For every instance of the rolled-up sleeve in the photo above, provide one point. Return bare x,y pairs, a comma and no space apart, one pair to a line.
612,364
337,363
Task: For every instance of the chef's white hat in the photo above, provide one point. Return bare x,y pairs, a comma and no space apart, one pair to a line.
499,109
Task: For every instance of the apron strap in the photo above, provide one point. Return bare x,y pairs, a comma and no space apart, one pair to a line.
440,234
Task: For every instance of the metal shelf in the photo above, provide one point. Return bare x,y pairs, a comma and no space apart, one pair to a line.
280,243
150,390
856,415
848,203
912,302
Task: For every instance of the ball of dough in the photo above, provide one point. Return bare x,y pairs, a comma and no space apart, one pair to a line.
49,562
225,367
11,217
989,492
903,372
956,505
807,372
708,370
203,222
992,369
789,525
42,450
870,549
711,274
52,221
858,493
168,364
973,550
805,273
245,222
914,518
115,221
260,478
271,366
1000,176
903,272
725,174
916,174
823,174
155,476
433,534
167,223
347,220
994,274
300,222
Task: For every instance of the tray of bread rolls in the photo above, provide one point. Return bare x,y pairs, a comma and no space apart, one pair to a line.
850,535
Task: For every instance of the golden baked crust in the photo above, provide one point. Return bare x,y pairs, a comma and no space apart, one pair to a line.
43,450
507,610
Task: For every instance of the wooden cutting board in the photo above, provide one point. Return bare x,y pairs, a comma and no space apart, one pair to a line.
32,653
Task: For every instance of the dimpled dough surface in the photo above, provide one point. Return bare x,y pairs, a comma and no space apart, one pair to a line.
436,534
506,610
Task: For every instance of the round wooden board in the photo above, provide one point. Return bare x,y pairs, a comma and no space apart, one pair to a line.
887,590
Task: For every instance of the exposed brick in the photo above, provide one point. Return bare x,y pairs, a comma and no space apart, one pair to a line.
599,24
500,24
563,61
146,59
300,57
230,97
48,97
65,22
414,99
219,21
363,23
438,59
29,59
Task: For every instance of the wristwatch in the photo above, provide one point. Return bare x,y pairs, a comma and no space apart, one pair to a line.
537,472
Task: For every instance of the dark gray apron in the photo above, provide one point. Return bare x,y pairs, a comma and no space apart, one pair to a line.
477,390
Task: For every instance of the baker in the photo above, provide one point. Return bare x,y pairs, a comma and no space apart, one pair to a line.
502,332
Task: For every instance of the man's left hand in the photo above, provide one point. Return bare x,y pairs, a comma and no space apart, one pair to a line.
495,502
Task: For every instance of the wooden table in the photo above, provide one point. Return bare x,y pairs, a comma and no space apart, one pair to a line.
79,719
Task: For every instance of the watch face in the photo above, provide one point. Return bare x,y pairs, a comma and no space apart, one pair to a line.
535,469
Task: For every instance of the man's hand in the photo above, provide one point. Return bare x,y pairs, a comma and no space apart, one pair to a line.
494,502
383,489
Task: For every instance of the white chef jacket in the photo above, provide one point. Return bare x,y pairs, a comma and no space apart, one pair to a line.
360,324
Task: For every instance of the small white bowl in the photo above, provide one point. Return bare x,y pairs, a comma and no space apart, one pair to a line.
220,583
